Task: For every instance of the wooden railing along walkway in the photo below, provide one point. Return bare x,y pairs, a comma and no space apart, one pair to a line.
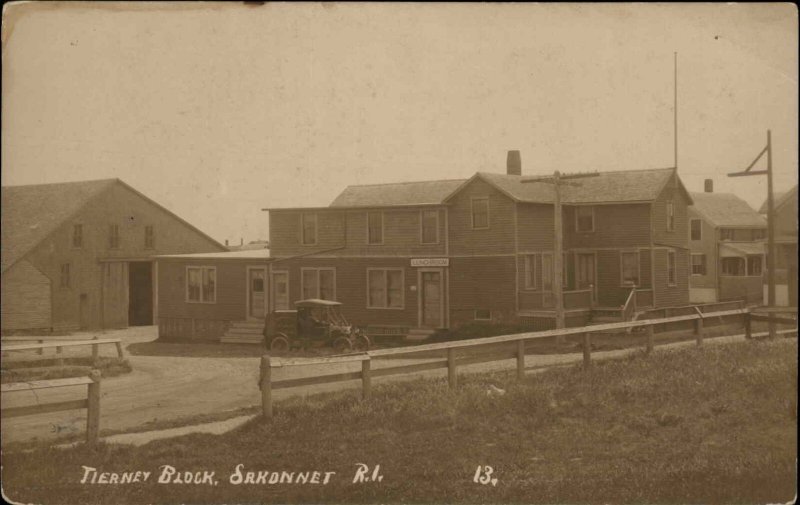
91,403
267,384
58,345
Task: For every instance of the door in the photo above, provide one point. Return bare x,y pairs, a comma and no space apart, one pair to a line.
256,294
586,272
140,282
431,298
280,290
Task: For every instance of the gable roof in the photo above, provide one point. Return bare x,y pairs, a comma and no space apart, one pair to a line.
397,194
626,186
32,212
780,199
725,209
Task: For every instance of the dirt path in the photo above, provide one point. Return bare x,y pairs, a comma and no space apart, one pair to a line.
169,388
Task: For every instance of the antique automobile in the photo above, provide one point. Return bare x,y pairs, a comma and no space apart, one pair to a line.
314,323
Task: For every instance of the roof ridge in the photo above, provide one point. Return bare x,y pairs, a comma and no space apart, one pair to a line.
405,182
108,179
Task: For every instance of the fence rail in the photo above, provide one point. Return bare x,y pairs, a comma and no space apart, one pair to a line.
451,362
91,403
58,345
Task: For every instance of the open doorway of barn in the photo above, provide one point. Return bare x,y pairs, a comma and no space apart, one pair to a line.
140,298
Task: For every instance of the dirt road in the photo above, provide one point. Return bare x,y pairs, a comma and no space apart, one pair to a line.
169,388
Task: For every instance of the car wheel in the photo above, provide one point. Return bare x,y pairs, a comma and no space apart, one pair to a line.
279,344
363,343
342,344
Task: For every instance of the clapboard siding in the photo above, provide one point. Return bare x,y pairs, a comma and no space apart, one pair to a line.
536,225
498,238
706,245
623,225
231,301
679,235
25,298
131,212
665,295
482,283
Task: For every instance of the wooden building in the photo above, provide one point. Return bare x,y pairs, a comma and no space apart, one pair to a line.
786,245
412,257
206,296
727,240
79,255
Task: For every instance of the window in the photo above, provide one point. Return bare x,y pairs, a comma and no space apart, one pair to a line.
483,315
696,227
759,234
309,229
547,272
584,218
385,288
726,234
530,271
733,266
65,281
430,227
672,277
319,283
77,235
113,236
629,268
374,227
201,284
698,264
480,213
754,265
149,237
670,215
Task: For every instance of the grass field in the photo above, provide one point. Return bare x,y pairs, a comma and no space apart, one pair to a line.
698,425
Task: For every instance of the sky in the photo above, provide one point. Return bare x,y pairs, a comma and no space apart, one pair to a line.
219,110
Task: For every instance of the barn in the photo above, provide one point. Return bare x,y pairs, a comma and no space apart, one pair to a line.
79,255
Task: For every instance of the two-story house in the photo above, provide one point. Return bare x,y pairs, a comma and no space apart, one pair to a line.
433,254
80,254
786,247
727,240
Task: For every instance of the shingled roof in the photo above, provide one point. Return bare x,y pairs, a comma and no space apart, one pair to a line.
725,209
605,187
780,199
31,213
397,194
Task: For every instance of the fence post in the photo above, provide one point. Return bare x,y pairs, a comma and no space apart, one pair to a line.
452,378
748,326
650,331
520,359
95,351
587,350
120,352
698,330
40,351
366,378
93,408
266,386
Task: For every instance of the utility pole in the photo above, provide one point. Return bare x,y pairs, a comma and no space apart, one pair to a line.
770,223
557,180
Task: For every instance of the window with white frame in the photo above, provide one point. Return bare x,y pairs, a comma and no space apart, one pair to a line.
629,268
318,283
480,213
672,274
726,234
754,265
77,236
696,229
65,280
201,284
529,272
429,234
733,266
308,225
584,218
385,288
670,215
374,228
698,264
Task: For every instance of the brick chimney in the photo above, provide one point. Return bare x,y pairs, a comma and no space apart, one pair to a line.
709,185
513,163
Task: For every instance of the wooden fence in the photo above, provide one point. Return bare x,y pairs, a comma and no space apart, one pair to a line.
91,403
41,345
366,374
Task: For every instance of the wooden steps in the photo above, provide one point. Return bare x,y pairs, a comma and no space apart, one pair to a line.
244,332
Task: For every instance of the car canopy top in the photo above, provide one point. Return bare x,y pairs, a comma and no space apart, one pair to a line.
316,302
